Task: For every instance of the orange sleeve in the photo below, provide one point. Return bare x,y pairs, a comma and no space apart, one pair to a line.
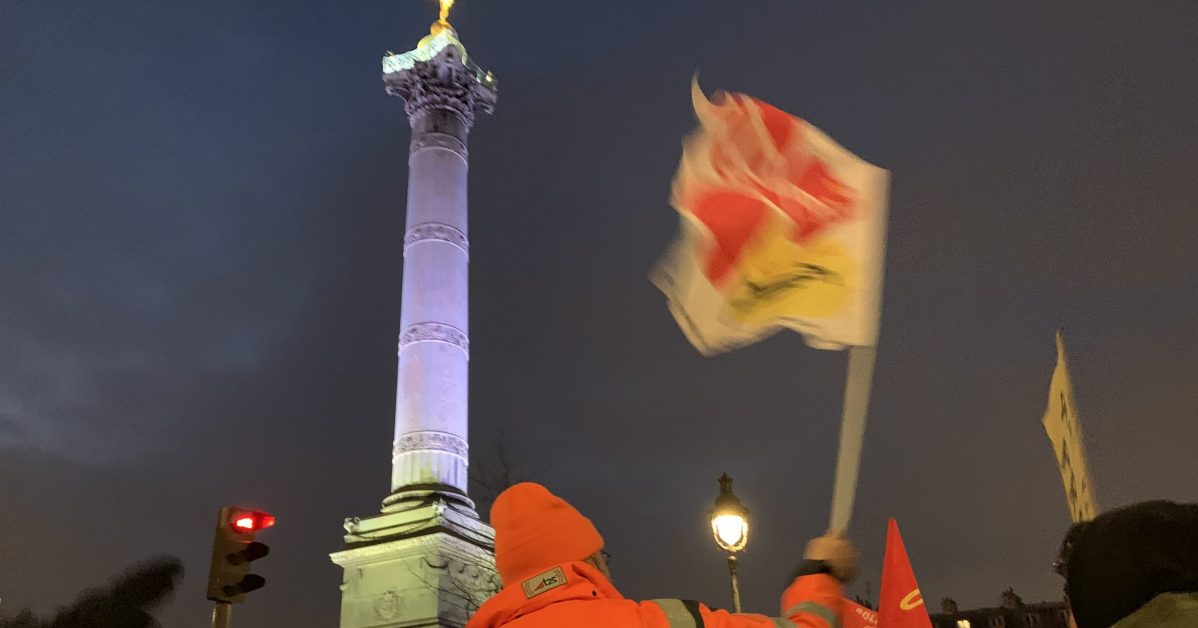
684,613
813,601
724,619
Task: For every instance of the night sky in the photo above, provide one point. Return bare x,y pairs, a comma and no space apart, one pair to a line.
201,223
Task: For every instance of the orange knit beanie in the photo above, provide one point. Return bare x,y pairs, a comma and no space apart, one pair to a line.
535,530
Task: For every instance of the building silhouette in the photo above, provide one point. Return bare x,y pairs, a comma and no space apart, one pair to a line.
1011,612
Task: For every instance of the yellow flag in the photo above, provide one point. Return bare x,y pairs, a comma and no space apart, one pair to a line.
1065,431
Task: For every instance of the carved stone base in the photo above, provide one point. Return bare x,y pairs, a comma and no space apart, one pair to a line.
429,565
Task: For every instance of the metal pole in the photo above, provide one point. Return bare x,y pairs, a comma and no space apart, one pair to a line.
735,583
222,614
852,434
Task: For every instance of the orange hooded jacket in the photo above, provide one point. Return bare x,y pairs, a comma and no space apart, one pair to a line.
540,543
576,595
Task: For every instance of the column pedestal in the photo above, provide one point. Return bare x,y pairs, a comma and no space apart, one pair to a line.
428,564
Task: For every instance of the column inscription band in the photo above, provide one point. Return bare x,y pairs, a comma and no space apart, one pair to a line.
431,441
434,332
438,232
422,141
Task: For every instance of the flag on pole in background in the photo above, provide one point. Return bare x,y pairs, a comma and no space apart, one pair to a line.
781,227
900,604
1065,432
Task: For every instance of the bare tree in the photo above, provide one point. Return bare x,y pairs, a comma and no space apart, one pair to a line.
24,619
496,464
469,597
127,602
502,462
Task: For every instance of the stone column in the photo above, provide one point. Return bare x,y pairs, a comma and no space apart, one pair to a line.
442,92
427,559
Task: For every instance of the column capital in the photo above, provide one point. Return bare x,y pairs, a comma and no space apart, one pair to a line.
438,76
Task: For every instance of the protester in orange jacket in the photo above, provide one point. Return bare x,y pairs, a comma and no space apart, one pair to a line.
551,561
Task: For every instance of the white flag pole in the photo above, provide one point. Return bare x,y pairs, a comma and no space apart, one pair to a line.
852,433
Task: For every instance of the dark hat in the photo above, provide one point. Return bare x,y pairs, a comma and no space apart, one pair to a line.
1122,559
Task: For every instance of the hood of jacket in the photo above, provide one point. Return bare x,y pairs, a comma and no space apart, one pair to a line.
580,581
1167,610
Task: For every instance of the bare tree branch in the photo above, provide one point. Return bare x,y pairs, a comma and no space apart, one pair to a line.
502,462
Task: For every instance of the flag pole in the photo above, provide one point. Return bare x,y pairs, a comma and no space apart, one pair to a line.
852,433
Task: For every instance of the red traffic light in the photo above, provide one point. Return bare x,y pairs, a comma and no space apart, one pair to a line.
250,521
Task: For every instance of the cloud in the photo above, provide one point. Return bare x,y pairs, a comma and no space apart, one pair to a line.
12,432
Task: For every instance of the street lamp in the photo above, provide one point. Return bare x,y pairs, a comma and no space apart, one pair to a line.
730,527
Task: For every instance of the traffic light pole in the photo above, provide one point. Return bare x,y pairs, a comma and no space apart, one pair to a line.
222,614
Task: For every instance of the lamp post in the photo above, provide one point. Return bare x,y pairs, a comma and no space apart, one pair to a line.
730,527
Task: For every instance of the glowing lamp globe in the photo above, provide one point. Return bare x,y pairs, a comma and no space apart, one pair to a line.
729,519
731,531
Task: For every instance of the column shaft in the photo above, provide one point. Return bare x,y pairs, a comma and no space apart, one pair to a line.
431,425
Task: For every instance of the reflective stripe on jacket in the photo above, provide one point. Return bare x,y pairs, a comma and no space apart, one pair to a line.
578,595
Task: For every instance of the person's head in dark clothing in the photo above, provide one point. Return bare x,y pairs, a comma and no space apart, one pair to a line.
1124,558
1062,563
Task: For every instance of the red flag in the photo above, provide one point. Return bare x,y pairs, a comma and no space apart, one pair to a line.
855,615
900,604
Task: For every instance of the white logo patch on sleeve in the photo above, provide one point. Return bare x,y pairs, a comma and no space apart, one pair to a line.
541,583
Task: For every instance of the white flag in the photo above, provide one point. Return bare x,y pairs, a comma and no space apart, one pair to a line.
781,227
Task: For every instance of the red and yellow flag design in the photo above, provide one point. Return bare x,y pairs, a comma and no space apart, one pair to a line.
781,227
900,604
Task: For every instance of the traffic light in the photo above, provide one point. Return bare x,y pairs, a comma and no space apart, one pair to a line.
233,549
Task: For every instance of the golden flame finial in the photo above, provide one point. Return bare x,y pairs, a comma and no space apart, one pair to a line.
441,25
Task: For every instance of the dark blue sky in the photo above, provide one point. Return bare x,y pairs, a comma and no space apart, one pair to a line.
201,217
